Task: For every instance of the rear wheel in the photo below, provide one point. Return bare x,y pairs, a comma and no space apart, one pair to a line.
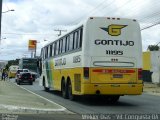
70,95
112,99
64,90
46,89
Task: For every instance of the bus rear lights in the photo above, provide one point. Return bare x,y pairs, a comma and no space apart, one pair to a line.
140,73
30,77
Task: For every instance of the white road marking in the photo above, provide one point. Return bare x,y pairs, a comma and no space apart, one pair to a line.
61,109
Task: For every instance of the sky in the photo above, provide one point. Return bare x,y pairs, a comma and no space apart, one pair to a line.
38,20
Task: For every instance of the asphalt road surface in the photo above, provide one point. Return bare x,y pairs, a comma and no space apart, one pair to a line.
143,104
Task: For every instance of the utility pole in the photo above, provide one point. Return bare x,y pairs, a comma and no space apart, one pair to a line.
0,17
60,31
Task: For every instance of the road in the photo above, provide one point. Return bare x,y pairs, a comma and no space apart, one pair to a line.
144,104
98,109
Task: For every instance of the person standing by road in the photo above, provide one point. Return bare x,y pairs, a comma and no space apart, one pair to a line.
3,74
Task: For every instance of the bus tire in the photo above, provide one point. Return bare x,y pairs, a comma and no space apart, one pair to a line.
112,99
63,89
44,85
70,95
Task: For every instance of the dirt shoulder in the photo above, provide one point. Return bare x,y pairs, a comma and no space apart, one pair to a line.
150,88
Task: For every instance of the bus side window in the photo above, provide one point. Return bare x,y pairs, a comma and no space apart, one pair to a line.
42,54
71,42
81,37
50,53
67,43
53,49
57,48
60,44
75,39
64,45
46,52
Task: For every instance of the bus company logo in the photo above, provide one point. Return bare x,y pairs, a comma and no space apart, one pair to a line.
114,29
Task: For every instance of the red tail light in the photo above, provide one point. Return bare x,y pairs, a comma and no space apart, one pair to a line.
31,77
140,73
20,76
86,72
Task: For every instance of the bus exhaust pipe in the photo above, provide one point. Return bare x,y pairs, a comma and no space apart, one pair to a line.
98,92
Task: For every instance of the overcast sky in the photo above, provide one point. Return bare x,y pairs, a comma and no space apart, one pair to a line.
37,19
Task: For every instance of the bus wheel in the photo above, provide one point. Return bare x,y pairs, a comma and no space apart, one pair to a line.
46,89
112,99
44,85
63,90
70,95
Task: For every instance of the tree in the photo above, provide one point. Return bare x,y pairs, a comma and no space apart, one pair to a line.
12,62
153,47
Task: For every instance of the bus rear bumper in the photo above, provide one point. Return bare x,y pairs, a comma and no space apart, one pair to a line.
112,89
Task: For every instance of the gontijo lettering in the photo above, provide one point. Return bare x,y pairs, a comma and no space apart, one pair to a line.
114,42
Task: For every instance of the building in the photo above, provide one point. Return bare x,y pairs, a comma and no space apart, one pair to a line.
151,66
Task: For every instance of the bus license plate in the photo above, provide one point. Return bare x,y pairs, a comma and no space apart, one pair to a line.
117,75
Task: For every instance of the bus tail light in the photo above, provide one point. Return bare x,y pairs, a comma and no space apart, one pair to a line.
19,76
140,73
86,72
31,77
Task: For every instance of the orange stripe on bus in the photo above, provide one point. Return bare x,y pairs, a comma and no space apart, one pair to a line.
113,71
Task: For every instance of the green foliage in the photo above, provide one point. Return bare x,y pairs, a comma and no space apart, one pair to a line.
153,47
12,62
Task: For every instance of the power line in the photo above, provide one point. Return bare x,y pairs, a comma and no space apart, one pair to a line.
111,11
151,25
29,33
60,31
90,12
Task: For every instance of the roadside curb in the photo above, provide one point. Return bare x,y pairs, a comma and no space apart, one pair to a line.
24,110
37,108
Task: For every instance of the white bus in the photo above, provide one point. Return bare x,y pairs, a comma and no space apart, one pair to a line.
102,56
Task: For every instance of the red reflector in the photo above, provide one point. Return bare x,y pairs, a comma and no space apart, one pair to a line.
113,71
140,73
